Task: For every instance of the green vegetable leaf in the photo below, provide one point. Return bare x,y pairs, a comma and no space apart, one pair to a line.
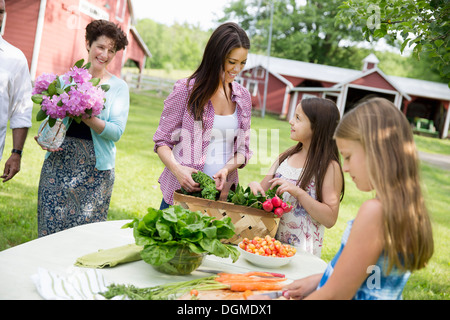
157,255
210,232
207,184
214,245
170,215
225,229
162,231
233,252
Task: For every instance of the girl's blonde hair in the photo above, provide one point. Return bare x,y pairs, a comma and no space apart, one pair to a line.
393,167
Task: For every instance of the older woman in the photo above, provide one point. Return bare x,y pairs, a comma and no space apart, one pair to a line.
77,179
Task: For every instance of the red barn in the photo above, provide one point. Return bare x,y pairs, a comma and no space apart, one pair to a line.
51,33
290,81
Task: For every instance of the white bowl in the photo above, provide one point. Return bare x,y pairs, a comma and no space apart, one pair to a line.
266,262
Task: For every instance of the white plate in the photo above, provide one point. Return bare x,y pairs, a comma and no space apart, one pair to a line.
262,261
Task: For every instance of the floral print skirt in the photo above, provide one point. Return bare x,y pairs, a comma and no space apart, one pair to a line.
72,191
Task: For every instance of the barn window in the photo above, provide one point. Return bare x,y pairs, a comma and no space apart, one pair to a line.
260,72
252,87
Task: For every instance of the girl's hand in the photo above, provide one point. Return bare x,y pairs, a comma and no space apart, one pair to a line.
256,187
301,288
46,149
284,186
184,177
220,177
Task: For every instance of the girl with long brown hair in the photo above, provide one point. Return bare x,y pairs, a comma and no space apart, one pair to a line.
205,123
391,235
309,176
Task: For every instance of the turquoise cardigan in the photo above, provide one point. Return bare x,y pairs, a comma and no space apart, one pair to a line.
115,114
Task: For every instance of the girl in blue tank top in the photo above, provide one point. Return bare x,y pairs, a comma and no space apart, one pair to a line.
391,234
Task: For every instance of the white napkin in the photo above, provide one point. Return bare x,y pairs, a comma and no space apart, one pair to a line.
79,285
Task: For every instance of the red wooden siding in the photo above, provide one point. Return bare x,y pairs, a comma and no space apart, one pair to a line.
21,20
134,51
62,37
374,80
275,95
63,32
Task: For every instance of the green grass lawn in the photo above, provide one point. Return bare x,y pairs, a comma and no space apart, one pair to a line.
136,188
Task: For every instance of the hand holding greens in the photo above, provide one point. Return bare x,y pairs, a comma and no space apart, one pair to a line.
207,184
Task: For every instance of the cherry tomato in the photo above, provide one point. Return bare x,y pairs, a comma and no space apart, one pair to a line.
194,292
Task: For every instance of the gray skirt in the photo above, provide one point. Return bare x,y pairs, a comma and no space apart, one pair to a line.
72,191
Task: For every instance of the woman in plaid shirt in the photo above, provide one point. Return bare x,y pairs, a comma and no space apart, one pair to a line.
205,123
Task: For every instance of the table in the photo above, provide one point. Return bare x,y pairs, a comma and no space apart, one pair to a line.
58,253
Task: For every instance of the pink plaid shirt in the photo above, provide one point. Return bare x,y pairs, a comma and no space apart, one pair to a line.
189,139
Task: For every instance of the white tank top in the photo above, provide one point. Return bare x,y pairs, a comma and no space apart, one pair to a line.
220,149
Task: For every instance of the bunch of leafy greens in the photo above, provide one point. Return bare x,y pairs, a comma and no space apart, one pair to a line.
207,184
163,232
239,196
245,197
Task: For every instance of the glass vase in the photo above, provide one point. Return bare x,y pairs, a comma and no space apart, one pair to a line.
184,262
51,137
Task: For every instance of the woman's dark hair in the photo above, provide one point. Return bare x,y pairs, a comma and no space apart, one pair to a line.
225,38
324,116
98,28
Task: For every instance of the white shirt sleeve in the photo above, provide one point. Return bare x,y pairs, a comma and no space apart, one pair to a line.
15,90
20,104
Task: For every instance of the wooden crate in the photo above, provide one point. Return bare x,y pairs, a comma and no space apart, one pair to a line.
248,222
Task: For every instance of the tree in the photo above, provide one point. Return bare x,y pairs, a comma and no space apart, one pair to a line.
422,25
302,30
179,46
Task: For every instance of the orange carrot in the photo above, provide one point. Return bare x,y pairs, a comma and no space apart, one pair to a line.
247,293
255,286
226,280
258,273
250,281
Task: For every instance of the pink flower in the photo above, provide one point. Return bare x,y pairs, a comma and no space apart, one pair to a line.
75,95
83,97
42,82
51,108
79,75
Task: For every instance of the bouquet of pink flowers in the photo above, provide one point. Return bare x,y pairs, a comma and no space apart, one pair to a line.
75,94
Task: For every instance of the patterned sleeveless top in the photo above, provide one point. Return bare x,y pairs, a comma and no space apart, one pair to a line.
378,285
297,227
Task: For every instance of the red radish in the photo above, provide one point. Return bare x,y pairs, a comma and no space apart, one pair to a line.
276,202
288,208
283,205
267,205
278,212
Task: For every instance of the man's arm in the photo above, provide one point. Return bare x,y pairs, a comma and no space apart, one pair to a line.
12,165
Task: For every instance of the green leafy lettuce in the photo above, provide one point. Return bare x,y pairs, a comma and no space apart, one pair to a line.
162,232
207,184
245,197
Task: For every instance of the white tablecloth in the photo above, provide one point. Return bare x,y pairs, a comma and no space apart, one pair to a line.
58,253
